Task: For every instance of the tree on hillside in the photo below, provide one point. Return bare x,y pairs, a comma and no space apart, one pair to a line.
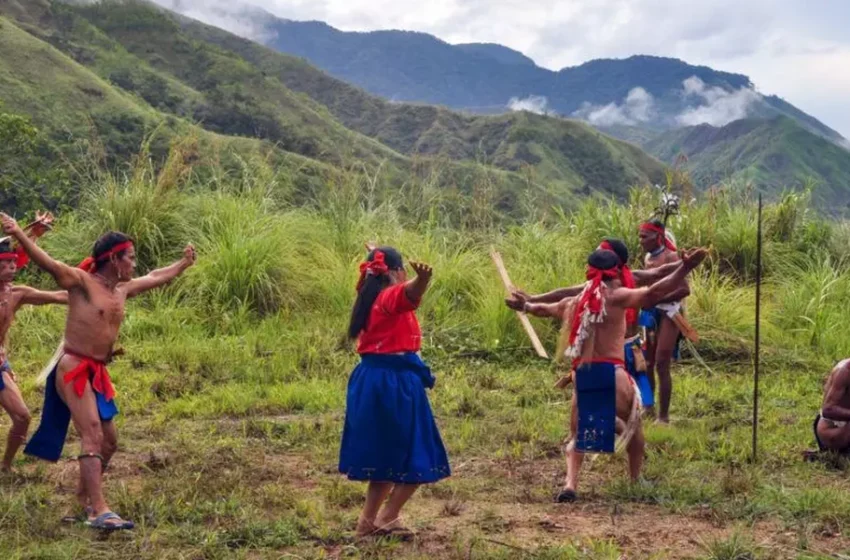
31,175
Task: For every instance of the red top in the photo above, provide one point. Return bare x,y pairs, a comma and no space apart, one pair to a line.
392,327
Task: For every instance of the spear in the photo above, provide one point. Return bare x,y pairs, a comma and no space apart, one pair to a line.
758,338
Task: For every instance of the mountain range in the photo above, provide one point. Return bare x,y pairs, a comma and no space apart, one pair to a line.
121,68
653,102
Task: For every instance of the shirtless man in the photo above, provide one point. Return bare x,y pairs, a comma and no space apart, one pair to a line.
635,360
79,387
832,424
12,298
662,344
605,400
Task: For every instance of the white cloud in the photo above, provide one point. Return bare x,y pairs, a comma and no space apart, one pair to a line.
718,106
536,104
637,107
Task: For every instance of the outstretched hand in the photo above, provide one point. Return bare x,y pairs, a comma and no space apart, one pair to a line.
42,224
10,225
422,270
517,300
693,258
189,254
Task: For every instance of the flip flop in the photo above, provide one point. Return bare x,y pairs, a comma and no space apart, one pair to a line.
566,496
81,517
398,532
101,522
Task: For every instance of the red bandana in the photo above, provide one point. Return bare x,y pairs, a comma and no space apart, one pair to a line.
18,255
88,263
628,280
375,267
590,301
660,231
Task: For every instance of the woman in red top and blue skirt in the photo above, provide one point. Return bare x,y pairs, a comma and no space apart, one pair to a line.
390,438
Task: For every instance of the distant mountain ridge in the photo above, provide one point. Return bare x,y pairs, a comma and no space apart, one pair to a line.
417,67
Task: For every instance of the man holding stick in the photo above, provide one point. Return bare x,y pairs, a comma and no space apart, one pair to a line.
605,401
79,387
635,361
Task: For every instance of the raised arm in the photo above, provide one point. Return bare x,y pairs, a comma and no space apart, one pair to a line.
66,276
416,288
161,276
31,296
650,276
555,310
662,290
832,408
518,298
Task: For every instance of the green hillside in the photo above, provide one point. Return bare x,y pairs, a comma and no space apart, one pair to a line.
122,69
773,154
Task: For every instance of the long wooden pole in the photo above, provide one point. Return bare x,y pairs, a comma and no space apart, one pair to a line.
758,338
523,318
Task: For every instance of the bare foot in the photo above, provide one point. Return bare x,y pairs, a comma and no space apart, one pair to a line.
393,528
663,420
364,527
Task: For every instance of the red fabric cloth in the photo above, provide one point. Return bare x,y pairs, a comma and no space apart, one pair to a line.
660,231
590,299
89,262
89,368
578,362
628,280
376,267
392,327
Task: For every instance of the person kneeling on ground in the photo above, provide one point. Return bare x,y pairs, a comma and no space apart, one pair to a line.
390,438
832,424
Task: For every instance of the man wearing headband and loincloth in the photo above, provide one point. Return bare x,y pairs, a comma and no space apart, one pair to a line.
633,348
662,334
79,387
605,400
12,298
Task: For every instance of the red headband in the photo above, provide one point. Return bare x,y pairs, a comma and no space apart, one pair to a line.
88,263
628,280
375,267
660,231
18,255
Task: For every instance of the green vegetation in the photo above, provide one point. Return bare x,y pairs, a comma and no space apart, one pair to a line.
772,154
232,390
100,79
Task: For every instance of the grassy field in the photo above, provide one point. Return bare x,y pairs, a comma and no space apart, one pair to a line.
232,389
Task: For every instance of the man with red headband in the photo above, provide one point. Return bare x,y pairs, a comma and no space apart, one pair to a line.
12,298
79,387
663,335
635,360
605,400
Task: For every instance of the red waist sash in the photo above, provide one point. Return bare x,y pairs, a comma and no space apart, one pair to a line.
89,368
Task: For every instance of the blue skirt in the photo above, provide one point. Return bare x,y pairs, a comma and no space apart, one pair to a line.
647,398
390,434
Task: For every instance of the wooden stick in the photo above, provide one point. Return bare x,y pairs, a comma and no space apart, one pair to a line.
523,318
758,339
685,327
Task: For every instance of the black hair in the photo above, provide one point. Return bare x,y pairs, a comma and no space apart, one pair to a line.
370,289
603,259
657,223
620,248
106,242
6,246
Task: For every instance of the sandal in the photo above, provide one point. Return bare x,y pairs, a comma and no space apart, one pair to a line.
101,522
81,517
394,529
566,496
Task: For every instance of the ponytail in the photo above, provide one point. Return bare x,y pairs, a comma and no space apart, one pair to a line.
370,289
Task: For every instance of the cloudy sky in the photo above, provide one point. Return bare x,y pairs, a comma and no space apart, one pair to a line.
799,50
